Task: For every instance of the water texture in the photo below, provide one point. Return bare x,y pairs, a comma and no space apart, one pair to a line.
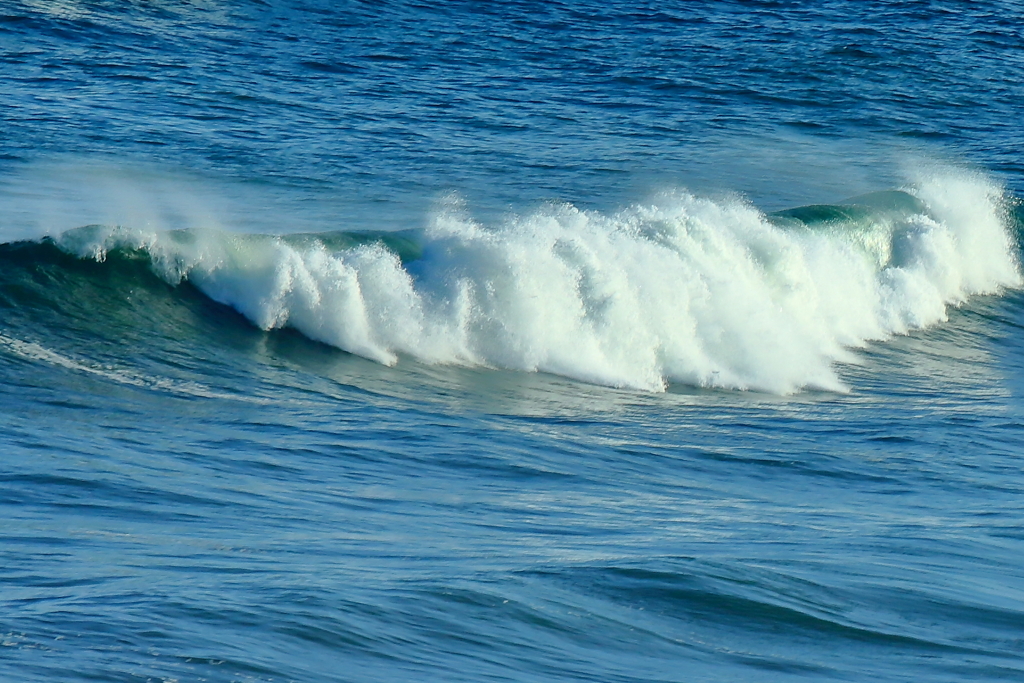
570,341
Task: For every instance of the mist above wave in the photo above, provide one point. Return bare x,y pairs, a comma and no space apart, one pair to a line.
687,289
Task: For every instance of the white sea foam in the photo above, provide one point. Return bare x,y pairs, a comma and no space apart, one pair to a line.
683,289
34,351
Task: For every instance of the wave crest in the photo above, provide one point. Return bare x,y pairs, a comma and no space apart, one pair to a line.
685,289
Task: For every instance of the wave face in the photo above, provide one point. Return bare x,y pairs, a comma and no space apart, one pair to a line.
685,289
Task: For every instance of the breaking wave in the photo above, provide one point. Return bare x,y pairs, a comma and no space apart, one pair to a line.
683,289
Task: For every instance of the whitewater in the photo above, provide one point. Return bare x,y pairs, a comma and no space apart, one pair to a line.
684,289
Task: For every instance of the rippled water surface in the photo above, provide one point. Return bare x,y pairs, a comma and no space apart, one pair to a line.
608,341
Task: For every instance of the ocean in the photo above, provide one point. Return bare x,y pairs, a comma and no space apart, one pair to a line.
565,341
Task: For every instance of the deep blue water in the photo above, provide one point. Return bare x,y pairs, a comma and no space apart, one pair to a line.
363,341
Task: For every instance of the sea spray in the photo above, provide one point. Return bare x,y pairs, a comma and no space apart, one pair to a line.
686,289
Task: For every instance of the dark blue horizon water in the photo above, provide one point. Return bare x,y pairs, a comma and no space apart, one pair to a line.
366,113
570,341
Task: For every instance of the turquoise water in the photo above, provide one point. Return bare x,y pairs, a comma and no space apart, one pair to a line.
573,341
